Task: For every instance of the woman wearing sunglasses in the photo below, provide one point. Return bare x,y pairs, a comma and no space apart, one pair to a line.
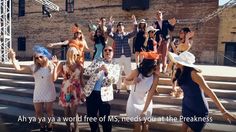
70,94
44,89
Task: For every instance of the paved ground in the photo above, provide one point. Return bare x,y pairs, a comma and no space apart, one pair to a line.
8,125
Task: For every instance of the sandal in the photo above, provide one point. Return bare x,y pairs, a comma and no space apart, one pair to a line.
173,93
42,129
179,94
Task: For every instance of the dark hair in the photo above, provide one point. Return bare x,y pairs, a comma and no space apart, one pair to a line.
144,28
147,66
185,30
183,77
99,39
76,24
102,18
120,24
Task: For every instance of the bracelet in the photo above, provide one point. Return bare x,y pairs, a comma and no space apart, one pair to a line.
14,61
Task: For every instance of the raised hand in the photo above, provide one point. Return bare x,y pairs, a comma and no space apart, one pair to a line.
189,35
111,20
12,54
172,21
55,60
134,18
104,68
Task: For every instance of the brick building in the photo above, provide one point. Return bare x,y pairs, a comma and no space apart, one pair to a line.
30,27
226,51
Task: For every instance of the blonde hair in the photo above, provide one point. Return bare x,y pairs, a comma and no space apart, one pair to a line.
72,56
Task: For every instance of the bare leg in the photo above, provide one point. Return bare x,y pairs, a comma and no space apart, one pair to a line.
137,60
73,114
164,55
184,127
49,111
145,126
67,115
39,112
137,127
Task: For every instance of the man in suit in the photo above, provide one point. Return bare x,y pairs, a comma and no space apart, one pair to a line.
163,26
98,89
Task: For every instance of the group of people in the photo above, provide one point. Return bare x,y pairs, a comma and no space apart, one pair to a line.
151,48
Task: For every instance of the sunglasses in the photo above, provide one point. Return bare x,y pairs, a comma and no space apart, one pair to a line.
37,57
152,31
108,50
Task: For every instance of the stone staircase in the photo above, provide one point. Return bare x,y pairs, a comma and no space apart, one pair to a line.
16,92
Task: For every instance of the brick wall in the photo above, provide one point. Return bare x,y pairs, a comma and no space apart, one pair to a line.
40,29
227,31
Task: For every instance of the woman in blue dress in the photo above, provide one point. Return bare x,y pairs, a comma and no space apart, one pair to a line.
194,104
99,39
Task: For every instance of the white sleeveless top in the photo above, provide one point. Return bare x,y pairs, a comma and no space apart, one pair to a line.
137,98
44,89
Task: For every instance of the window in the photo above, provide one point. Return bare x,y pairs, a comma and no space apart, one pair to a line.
230,53
21,44
70,6
134,5
21,8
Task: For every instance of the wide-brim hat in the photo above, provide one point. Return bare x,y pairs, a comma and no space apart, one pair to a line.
151,28
143,21
185,58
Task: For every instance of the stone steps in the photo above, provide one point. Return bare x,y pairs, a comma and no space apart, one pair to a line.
16,92
118,106
9,69
164,89
162,98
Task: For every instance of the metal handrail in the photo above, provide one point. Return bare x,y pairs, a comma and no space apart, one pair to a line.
228,58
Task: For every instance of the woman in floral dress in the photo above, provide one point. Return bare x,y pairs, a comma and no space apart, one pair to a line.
70,94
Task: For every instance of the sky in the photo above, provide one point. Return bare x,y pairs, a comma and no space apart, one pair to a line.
222,2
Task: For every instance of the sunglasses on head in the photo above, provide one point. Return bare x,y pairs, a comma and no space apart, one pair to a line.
109,50
37,57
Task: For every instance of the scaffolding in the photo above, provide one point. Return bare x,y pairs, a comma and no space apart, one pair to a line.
5,29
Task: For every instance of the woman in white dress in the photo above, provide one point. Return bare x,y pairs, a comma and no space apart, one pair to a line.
44,89
143,77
